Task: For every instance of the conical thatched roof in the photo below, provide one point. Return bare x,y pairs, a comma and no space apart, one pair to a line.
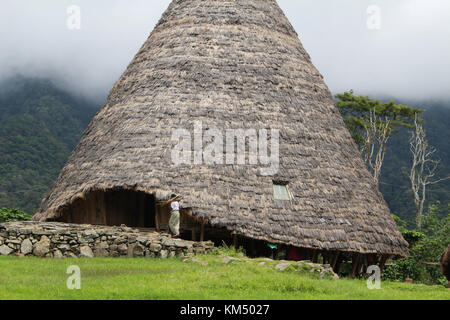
233,64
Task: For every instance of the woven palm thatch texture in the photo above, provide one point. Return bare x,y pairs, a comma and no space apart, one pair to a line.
232,64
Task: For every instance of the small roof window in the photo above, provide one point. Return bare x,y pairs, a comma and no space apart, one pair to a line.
281,191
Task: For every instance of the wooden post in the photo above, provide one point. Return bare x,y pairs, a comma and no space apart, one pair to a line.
194,236
334,259
355,263
102,206
157,212
277,252
326,257
235,241
202,232
361,264
315,255
337,266
253,247
376,259
383,260
141,210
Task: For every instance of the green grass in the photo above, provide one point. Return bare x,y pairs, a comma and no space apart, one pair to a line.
120,278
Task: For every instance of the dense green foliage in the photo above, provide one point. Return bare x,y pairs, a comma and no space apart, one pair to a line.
425,246
394,181
395,185
7,215
39,127
357,109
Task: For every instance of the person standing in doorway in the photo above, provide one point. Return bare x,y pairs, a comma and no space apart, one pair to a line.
174,221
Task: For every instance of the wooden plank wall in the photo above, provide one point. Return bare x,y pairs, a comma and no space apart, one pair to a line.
134,209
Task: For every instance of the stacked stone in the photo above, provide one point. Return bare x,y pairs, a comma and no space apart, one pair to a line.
60,240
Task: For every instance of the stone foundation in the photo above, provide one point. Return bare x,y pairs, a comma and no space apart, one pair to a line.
60,240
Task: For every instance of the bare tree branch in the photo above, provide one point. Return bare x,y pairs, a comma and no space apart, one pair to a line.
423,168
375,140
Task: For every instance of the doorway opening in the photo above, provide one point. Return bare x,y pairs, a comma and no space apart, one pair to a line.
113,208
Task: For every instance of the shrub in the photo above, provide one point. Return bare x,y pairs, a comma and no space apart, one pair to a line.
8,215
426,245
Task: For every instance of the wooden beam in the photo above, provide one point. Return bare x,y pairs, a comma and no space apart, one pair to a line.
202,232
225,244
253,247
277,252
157,214
315,256
430,263
329,257
337,266
140,211
355,263
334,259
361,264
383,260
324,257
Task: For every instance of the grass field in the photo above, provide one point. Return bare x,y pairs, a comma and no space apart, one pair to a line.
207,278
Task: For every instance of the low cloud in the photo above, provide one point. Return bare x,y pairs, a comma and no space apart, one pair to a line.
407,57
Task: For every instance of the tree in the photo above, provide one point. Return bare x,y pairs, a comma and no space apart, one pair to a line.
371,123
423,168
424,246
373,148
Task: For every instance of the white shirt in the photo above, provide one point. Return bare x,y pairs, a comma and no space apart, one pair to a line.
175,206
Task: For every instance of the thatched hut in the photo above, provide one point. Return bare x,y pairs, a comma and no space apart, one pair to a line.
230,64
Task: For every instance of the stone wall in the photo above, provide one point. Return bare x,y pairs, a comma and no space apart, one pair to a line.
59,240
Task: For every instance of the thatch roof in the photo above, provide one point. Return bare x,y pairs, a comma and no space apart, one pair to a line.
233,64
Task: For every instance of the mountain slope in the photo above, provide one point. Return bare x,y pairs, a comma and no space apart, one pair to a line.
39,127
395,184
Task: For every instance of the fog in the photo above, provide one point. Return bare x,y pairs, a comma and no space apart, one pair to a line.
402,49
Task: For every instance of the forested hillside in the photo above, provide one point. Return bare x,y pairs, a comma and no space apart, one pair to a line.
39,127
395,184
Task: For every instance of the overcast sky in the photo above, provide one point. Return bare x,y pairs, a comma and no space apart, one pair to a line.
407,57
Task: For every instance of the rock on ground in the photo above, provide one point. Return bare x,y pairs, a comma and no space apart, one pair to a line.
282,266
227,260
26,247
42,247
5,250
86,252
